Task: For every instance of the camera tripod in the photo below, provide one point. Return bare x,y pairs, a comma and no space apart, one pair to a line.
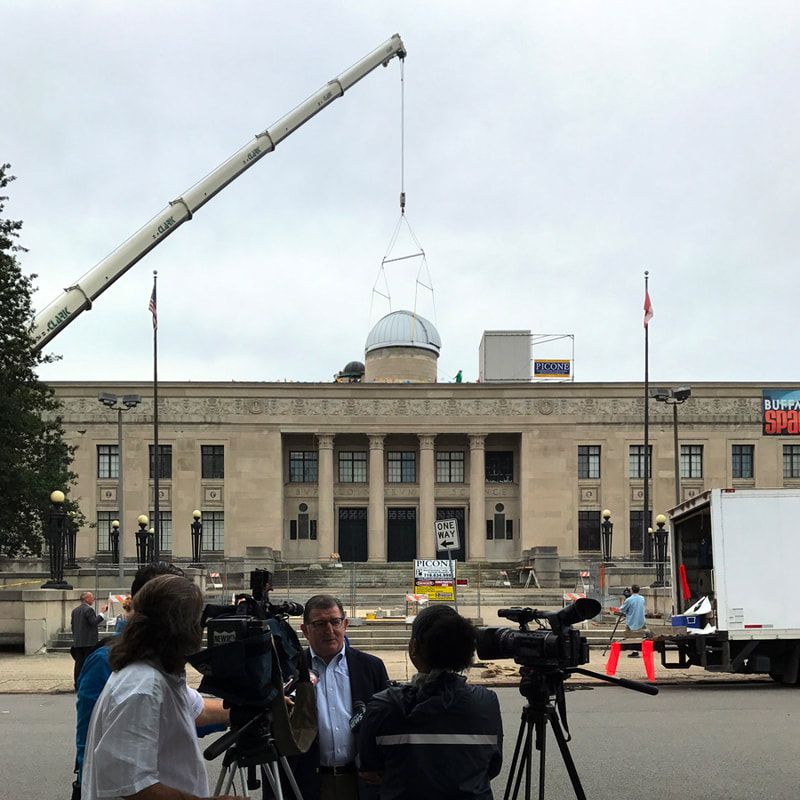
251,754
544,692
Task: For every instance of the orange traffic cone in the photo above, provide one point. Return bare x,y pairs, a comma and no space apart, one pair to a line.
647,657
613,659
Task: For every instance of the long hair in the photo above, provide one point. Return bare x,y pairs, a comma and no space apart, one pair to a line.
164,627
445,638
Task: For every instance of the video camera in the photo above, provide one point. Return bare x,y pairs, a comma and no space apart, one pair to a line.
252,650
558,647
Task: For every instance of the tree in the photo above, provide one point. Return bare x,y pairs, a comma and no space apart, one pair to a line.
34,458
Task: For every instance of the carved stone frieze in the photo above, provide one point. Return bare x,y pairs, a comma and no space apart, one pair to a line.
695,410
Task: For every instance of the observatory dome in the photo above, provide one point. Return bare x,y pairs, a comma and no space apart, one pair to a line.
402,347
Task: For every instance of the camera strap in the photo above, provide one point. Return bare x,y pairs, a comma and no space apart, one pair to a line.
294,733
561,705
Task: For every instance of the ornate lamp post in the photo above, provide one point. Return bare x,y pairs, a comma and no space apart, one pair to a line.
70,535
142,536
115,542
197,539
606,532
55,537
660,538
151,545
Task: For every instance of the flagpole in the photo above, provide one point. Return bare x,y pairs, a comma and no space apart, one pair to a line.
646,544
156,554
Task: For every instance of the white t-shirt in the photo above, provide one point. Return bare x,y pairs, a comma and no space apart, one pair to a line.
143,732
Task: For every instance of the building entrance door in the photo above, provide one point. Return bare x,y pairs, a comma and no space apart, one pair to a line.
458,515
401,534
353,534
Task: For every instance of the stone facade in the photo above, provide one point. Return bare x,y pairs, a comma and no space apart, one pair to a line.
503,458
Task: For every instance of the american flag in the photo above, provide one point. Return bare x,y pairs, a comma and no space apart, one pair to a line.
648,307
152,308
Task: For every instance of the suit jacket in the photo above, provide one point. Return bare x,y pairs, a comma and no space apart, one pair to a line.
367,676
85,623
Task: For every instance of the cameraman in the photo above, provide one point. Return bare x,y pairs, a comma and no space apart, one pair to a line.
633,611
436,736
142,742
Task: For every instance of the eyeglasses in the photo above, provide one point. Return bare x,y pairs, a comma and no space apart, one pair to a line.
319,624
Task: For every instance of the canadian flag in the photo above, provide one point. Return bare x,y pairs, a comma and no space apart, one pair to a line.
648,308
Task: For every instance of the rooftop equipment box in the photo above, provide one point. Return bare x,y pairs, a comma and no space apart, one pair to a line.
505,357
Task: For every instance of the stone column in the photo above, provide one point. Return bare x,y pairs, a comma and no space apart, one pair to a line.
376,514
427,504
477,498
325,537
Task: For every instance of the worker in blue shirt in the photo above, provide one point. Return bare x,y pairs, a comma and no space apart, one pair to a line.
633,609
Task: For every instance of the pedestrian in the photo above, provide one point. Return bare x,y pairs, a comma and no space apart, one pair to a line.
142,739
97,670
633,611
122,618
85,623
436,736
347,680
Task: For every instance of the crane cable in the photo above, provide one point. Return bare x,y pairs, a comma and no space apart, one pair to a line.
403,219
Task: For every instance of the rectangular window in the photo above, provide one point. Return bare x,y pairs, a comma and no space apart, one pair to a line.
302,527
213,530
589,461
636,532
212,457
164,529
104,520
107,461
589,530
164,461
352,467
742,460
509,529
636,461
490,529
303,466
401,467
499,466
791,461
450,467
691,461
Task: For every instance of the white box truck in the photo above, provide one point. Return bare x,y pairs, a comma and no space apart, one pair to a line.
740,548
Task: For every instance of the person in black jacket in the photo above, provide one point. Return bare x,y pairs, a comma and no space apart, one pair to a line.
84,632
436,737
347,680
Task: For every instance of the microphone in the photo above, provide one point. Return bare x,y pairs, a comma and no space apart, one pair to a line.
359,710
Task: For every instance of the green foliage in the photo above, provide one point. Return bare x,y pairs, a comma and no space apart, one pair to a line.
34,458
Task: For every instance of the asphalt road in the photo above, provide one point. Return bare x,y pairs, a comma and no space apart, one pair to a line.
712,741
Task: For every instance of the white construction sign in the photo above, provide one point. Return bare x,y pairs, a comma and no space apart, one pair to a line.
446,534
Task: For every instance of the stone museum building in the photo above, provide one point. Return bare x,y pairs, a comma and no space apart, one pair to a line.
363,466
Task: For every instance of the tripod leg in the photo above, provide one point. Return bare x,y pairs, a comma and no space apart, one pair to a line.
565,754
520,759
270,772
613,634
287,771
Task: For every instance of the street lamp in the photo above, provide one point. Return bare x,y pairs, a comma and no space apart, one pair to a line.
674,397
70,535
125,403
55,537
115,542
606,532
197,539
660,536
142,536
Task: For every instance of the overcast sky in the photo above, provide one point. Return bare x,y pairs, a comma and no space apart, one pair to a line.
553,153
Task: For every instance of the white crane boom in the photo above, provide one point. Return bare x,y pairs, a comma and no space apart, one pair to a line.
79,297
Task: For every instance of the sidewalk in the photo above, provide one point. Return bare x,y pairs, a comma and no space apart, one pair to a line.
51,673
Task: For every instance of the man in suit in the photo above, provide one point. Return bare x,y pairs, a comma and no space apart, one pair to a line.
84,631
347,680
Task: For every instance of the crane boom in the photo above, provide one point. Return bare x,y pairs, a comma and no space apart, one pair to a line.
79,297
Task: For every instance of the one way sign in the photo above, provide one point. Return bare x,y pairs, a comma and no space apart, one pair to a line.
446,534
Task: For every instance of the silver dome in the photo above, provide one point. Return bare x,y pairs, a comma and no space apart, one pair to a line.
403,329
